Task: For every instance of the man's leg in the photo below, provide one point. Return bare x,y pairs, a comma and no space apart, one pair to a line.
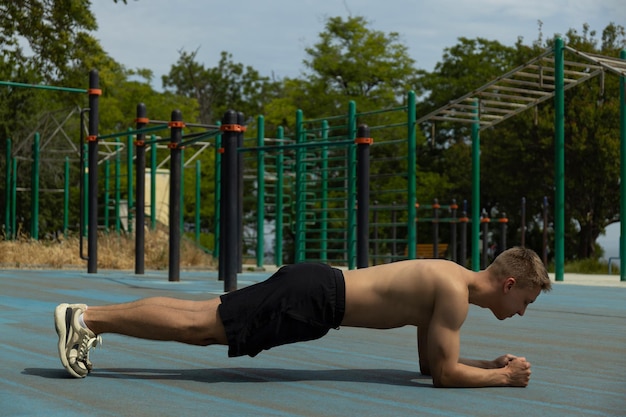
161,318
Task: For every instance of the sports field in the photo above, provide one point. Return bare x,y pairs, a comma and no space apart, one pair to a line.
574,337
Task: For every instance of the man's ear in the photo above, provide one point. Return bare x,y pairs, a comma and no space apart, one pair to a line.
509,283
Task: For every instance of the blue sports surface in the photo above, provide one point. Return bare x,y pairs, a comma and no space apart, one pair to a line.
574,337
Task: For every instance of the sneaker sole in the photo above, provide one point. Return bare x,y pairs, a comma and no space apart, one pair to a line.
60,324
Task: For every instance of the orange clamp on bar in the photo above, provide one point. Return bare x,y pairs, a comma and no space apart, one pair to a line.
436,205
454,206
485,220
363,141
94,91
220,150
91,138
464,219
176,124
503,220
140,143
232,128
142,120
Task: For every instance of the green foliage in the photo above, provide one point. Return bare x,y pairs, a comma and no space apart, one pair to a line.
230,85
350,61
588,266
54,31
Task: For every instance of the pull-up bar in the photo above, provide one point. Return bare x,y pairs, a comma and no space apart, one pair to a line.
43,87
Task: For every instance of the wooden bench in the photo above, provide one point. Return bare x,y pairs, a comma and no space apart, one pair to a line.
427,250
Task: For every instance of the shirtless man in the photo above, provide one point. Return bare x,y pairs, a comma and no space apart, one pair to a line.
304,301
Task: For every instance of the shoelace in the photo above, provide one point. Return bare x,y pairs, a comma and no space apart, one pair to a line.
86,344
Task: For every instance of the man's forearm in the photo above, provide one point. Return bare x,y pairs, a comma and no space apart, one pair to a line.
469,376
484,364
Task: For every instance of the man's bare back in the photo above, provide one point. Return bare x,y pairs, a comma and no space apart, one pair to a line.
401,293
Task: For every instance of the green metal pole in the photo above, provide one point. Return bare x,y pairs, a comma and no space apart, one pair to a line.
107,186
130,179
622,136
198,196
7,192
559,161
118,187
34,189
279,199
476,191
411,176
153,176
66,196
260,198
14,197
300,198
352,186
324,214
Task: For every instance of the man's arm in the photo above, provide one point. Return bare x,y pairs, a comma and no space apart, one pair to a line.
443,346
499,362
422,343
422,349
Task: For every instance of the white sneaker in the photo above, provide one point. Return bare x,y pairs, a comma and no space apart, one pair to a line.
74,340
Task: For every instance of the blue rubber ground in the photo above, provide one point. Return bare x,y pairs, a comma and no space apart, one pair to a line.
575,338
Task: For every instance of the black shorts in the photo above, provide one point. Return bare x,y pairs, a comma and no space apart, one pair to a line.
299,302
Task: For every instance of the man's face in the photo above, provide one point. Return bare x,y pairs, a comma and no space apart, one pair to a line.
514,300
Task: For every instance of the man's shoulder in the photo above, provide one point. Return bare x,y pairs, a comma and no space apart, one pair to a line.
452,290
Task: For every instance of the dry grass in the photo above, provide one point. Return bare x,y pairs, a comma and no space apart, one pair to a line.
114,252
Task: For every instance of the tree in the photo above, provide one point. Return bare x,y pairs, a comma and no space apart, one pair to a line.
50,42
40,42
351,61
230,85
356,61
53,30
517,156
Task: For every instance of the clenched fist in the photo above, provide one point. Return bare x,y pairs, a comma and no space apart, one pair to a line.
519,372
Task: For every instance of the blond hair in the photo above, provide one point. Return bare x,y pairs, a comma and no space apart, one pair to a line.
524,265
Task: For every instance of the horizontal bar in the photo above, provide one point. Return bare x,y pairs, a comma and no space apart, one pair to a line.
43,87
295,146
133,132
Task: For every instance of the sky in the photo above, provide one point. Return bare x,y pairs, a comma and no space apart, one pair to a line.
609,241
271,35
